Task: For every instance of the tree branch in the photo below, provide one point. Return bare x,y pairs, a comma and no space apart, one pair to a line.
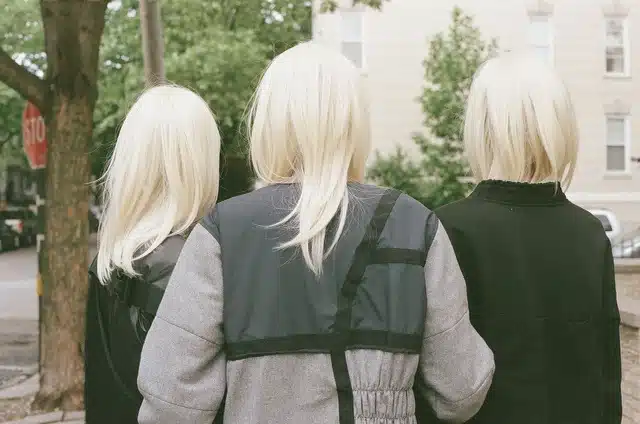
4,142
22,81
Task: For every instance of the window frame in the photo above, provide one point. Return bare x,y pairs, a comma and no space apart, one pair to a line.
360,12
626,72
546,18
626,143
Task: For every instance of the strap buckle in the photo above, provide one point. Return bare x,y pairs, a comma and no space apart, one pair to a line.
123,290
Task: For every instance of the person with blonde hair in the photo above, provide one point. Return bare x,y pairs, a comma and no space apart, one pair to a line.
316,298
162,177
539,269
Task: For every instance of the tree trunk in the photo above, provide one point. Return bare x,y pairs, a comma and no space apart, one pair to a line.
65,258
152,42
73,29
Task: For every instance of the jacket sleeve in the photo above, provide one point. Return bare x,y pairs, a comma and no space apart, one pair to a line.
456,365
182,374
612,367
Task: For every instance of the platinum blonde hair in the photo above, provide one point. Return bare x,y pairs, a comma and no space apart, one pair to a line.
309,124
520,123
161,178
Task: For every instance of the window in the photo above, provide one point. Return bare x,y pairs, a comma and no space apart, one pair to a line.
616,50
352,36
617,144
540,37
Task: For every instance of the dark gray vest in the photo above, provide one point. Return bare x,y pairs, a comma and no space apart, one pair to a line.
370,295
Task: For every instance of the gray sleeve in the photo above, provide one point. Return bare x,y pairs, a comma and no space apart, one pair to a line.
182,373
456,363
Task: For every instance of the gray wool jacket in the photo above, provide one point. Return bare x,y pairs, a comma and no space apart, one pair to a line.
245,330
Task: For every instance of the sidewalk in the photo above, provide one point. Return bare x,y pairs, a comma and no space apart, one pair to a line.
30,387
53,418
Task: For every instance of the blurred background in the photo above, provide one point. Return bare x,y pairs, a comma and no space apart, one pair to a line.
69,70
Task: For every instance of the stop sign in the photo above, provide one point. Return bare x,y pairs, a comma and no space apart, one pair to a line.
34,136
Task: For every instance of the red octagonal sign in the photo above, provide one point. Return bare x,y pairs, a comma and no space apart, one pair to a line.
34,137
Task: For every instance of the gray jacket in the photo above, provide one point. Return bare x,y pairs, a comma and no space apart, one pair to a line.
384,332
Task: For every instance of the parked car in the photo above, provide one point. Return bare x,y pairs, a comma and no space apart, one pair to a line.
627,246
23,222
9,239
609,221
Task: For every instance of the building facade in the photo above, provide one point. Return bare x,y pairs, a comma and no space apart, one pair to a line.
590,43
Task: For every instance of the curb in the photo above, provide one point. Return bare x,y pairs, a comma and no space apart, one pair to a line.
24,388
629,311
71,417
25,374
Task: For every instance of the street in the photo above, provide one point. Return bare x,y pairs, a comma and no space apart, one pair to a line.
19,313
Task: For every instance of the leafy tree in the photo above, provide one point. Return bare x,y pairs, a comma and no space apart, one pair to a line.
220,57
49,55
440,176
10,127
21,36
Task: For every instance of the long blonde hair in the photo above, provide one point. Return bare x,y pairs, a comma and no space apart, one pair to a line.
520,123
309,124
162,176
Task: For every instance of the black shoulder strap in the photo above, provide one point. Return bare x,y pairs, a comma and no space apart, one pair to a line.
145,292
361,259
138,293
107,351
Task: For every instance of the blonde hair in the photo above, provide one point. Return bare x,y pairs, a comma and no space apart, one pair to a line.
520,123
161,178
309,124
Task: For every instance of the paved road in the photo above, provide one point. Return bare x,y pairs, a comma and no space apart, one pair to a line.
18,313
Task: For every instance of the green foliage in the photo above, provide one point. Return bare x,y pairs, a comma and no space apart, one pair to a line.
21,33
20,36
440,176
217,48
11,105
401,172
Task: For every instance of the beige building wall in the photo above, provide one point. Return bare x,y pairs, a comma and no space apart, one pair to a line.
395,42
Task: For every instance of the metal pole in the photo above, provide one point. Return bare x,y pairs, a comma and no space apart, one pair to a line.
152,42
41,178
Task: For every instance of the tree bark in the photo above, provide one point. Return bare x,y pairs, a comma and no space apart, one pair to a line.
73,29
152,42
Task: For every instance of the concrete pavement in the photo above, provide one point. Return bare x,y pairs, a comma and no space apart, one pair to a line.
19,333
58,417
18,315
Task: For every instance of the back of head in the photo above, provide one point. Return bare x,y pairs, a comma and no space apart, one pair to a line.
161,178
310,125
520,123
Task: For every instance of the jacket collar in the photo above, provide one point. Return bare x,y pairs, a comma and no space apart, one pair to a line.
517,193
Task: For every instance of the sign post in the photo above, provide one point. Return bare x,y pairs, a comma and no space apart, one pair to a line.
34,139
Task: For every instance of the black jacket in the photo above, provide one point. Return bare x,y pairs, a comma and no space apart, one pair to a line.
117,319
541,289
